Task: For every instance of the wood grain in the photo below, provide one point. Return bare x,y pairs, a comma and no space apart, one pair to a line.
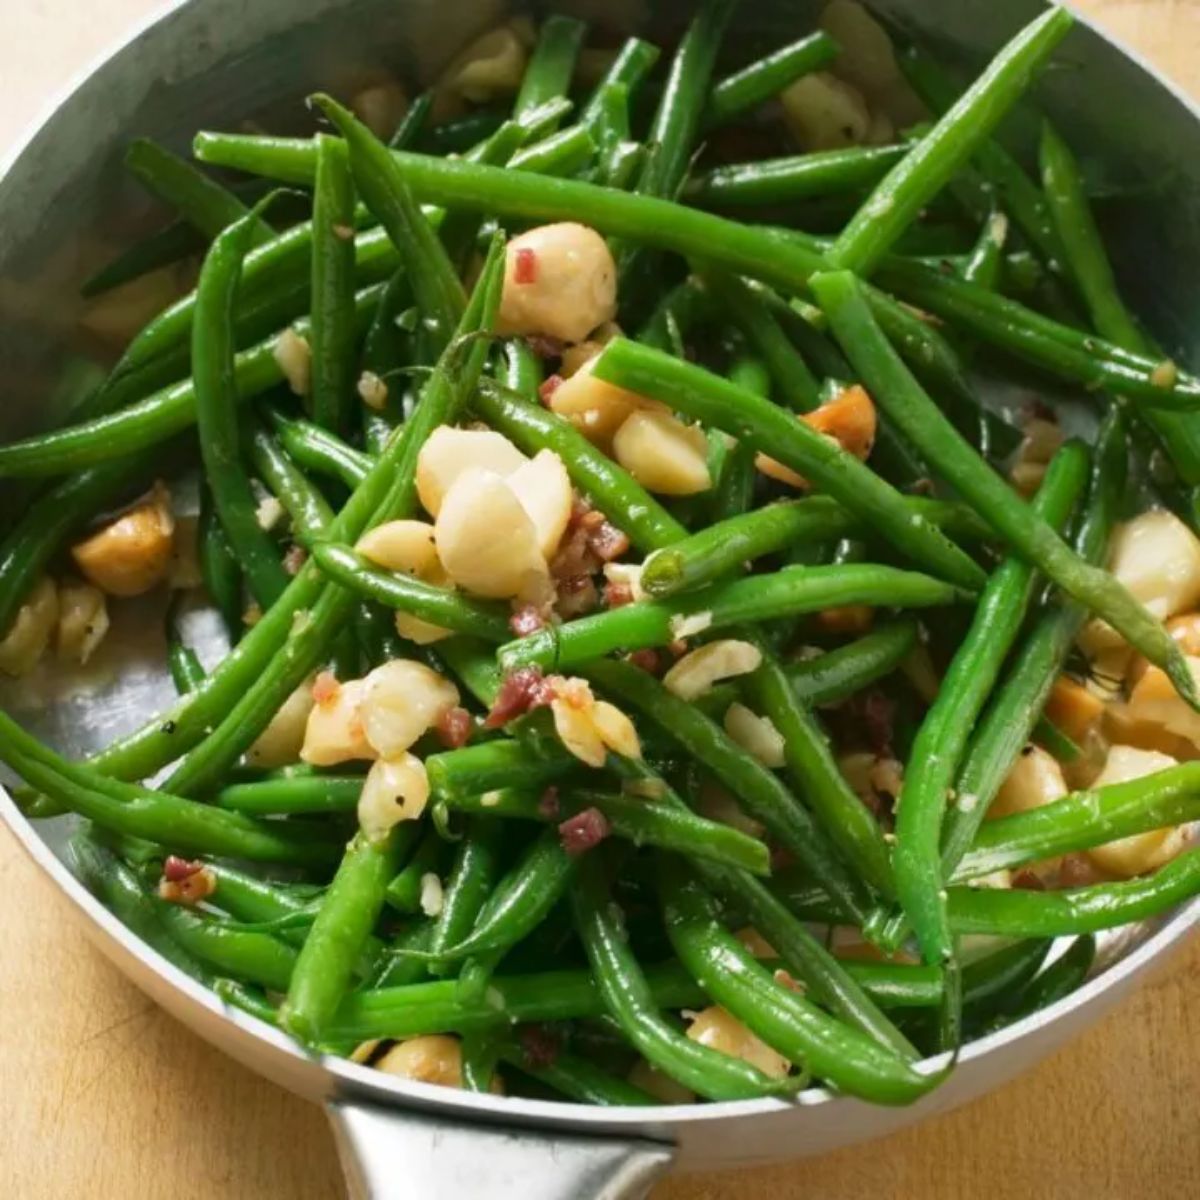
105,1096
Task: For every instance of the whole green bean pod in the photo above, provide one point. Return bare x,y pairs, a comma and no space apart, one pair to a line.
814,774
219,568
204,203
308,510
384,188
1085,260
157,816
474,876
712,553
746,89
832,676
1009,719
348,912
248,955
796,177
1085,819
1078,910
623,500
633,62
780,257
405,593
942,737
290,797
713,401
1062,977
458,775
215,386
629,999
333,325
791,1025
956,461
317,450
787,592
759,791
932,161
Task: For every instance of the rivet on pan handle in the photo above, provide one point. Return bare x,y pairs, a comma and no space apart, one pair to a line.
393,1154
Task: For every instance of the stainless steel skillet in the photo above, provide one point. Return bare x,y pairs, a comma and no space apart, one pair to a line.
212,62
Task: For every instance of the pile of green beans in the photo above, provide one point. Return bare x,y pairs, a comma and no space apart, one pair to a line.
602,843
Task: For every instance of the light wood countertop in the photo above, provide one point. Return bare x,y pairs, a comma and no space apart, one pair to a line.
107,1097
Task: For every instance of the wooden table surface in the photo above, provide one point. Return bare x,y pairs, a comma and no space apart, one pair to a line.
104,1096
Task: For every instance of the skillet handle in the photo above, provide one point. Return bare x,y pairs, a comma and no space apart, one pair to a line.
398,1154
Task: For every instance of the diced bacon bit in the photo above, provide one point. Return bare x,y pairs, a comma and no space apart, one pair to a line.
548,387
1028,881
648,659
526,620
524,689
792,984
581,512
878,713
617,594
781,858
294,559
454,728
186,882
575,555
325,688
584,831
606,541
545,346
548,806
525,268
539,1045
577,595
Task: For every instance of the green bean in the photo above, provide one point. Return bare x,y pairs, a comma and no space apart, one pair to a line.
396,968
623,500
316,449
215,388
480,1050
243,954
1079,910
552,63
836,985
160,249
475,874
333,325
628,998
759,791
921,420
1008,720
1062,977
815,775
182,662
120,891
796,177
412,125
205,204
247,999
793,380
933,161
1084,257
712,553
832,676
404,891
575,1077
1057,348
787,592
713,401
548,996
348,912
157,816
1085,819
744,90
787,1022
987,256
252,900
220,570
636,819
388,491
633,63
287,797
942,738
150,421
440,605
382,183
457,775
686,304
308,510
